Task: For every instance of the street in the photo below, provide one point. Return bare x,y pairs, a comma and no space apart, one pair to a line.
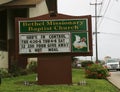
115,78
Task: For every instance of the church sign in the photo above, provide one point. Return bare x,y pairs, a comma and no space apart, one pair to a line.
65,35
44,43
53,25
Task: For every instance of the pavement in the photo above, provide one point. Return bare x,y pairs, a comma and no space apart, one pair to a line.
115,78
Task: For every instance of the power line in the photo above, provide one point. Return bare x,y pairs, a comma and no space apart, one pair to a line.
107,8
111,34
117,34
100,10
105,12
117,21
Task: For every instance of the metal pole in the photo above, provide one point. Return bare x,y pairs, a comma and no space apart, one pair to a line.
96,31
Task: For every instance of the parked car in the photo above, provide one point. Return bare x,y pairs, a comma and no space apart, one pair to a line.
113,64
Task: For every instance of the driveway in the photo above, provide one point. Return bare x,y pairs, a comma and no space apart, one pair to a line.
115,78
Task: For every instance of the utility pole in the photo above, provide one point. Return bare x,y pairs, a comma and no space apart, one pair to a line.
96,39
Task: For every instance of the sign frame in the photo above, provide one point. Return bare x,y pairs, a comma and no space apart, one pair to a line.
58,17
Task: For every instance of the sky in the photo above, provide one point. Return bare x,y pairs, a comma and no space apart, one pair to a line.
108,24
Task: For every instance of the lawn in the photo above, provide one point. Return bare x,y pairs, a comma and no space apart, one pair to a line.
16,84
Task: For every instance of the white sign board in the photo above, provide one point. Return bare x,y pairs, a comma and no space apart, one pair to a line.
44,43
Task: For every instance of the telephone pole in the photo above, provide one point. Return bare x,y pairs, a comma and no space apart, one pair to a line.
96,32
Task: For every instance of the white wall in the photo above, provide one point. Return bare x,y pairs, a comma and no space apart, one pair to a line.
3,59
40,9
3,54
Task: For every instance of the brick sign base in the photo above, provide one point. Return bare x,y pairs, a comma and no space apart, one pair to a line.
54,70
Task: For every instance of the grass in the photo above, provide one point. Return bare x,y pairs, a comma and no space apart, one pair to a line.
16,84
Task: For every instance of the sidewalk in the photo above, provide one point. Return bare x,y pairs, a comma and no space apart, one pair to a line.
115,79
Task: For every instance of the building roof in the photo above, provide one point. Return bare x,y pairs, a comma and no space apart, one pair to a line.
20,3
4,1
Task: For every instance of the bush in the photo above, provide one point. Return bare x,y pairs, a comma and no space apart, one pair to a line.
4,73
32,67
96,71
15,70
86,63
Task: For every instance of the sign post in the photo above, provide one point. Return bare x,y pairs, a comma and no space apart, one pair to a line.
54,41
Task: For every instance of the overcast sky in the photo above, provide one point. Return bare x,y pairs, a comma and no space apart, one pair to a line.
108,24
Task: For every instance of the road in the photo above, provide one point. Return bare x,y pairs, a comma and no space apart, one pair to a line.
115,78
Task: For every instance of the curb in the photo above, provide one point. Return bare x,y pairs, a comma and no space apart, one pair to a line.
113,84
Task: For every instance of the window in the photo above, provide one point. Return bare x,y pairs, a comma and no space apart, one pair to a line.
3,30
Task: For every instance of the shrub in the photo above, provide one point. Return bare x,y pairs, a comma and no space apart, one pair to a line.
15,70
32,67
4,73
96,71
86,63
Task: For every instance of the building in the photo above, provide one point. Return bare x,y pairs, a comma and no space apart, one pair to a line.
5,1
9,10
107,58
